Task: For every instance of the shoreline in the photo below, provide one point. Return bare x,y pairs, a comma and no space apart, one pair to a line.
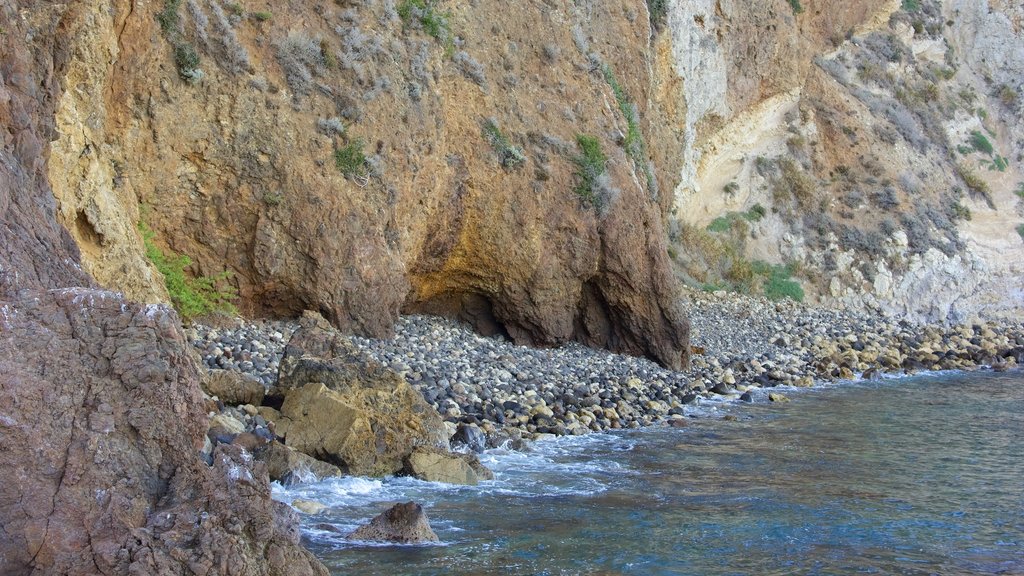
511,392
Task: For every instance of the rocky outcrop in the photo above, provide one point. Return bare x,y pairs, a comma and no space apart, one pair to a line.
101,415
402,523
433,465
347,409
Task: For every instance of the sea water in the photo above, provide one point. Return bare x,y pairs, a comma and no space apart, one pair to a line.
921,475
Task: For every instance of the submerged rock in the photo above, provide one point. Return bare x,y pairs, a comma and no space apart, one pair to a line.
402,523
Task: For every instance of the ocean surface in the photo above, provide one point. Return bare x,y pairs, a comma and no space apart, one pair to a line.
921,475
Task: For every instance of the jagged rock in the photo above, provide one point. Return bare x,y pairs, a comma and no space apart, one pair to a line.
289,466
433,465
347,409
233,387
403,523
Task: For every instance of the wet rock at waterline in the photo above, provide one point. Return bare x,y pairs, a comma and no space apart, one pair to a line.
290,467
402,523
433,465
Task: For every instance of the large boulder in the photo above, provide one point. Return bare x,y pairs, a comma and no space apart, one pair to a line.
347,409
402,523
233,387
433,465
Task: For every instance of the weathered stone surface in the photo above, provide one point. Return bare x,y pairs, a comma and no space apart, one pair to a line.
403,523
435,465
289,466
101,415
233,387
348,409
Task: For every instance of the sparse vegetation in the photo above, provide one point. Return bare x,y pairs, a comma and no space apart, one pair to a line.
470,68
301,58
731,188
658,10
510,156
961,212
590,169
1007,95
980,143
424,14
272,198
1020,230
793,183
795,5
261,16
974,183
912,5
1020,191
778,283
191,297
351,161
186,59
634,141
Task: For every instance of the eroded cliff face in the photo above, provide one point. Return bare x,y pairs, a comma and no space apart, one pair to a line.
101,417
235,166
872,146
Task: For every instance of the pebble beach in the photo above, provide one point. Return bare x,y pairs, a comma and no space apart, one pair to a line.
739,344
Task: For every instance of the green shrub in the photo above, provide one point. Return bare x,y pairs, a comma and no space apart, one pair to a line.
168,18
1020,230
998,163
756,213
720,224
912,5
510,156
731,188
590,166
974,183
980,143
779,285
186,59
1020,191
261,16
191,297
795,5
350,160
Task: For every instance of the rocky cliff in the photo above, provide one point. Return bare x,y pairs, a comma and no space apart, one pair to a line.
101,418
363,158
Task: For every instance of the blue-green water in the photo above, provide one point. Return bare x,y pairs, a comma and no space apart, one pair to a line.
914,476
